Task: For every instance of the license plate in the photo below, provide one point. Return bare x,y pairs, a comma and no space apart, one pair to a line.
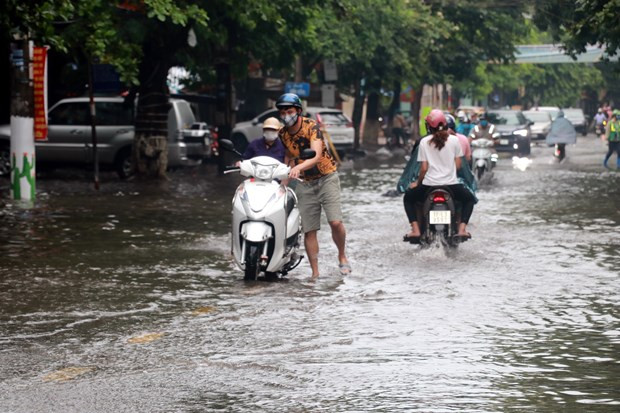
439,217
503,141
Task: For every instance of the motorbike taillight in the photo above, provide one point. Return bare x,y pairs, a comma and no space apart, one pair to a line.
439,198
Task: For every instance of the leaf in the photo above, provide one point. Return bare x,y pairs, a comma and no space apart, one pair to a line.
67,374
145,338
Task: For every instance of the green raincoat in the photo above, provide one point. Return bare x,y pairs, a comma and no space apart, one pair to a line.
412,171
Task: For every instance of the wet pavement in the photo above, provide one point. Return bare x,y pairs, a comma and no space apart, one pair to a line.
127,300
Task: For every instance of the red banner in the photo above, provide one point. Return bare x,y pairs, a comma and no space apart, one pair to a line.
39,77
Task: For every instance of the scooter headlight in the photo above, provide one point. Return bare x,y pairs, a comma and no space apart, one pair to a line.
520,132
263,171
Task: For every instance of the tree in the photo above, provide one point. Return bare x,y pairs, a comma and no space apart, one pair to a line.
376,44
577,24
138,37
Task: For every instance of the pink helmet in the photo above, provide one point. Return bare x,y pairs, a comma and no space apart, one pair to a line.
436,118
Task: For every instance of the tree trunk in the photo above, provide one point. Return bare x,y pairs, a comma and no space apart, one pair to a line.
150,149
394,105
372,125
416,106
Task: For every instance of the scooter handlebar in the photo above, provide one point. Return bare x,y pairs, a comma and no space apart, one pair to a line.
231,168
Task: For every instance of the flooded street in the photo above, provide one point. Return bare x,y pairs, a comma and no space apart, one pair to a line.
127,300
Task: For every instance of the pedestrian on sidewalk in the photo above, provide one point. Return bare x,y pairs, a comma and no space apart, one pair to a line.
612,136
398,129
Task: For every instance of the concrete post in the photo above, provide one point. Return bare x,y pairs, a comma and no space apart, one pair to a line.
22,122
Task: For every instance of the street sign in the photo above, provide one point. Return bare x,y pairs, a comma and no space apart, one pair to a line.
330,71
39,84
301,89
328,96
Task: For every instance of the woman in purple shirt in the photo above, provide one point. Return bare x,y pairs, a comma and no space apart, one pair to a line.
269,145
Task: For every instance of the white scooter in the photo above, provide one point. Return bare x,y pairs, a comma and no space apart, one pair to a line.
482,157
266,226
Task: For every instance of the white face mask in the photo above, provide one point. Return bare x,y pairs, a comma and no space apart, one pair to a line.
290,120
270,135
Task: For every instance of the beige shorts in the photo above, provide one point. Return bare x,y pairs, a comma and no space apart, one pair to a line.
323,193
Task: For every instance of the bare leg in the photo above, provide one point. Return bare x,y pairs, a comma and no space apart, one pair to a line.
311,244
415,230
339,235
463,228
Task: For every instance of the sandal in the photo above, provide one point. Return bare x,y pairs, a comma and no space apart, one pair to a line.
412,239
464,236
345,269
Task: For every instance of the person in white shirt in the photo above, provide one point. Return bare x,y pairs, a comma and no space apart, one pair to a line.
440,157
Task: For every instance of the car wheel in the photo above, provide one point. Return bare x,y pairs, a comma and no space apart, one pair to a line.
124,164
5,160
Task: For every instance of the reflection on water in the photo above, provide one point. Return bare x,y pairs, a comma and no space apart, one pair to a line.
127,300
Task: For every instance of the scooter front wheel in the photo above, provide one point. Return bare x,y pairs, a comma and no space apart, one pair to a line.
252,258
479,173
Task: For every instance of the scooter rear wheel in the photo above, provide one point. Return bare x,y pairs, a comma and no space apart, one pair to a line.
252,258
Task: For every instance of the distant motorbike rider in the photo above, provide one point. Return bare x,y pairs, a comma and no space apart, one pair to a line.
600,122
440,157
562,133
462,138
484,129
465,126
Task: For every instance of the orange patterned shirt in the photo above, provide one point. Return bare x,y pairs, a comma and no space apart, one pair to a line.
294,144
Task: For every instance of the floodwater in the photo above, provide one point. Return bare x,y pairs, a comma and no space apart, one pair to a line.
126,300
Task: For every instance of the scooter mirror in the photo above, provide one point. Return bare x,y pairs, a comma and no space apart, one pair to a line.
226,144
307,154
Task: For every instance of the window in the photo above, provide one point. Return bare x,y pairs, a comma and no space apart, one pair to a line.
74,113
507,118
333,118
113,114
270,114
186,116
538,116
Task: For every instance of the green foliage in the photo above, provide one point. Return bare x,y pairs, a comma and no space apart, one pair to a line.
578,23
98,28
545,84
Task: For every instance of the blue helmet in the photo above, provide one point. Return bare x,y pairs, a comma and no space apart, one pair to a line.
451,123
287,100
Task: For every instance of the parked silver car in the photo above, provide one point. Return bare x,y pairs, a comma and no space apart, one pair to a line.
245,132
578,119
69,138
541,123
337,125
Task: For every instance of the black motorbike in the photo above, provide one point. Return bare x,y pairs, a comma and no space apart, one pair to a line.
439,217
560,151
600,128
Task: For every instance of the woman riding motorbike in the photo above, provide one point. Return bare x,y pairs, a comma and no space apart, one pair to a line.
440,157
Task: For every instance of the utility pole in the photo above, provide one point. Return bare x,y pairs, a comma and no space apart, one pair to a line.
93,122
22,121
